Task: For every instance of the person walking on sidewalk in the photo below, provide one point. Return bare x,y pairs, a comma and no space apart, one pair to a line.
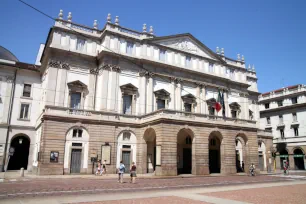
252,170
98,171
104,167
121,170
133,172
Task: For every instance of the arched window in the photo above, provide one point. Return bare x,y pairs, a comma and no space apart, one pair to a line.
188,140
213,142
126,136
77,132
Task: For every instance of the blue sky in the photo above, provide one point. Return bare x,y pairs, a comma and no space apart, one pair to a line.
271,34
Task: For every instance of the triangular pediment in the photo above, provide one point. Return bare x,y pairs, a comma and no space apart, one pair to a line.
129,86
162,92
186,43
77,83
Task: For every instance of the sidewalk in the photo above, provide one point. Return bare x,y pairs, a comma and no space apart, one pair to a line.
28,175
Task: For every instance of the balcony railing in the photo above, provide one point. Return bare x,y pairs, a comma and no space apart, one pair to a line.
56,111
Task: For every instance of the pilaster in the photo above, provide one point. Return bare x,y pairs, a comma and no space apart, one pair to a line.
172,94
142,93
150,93
204,109
104,89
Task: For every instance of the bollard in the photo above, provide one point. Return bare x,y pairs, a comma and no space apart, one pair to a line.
22,172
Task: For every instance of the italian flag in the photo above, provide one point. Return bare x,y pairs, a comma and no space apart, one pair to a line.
218,106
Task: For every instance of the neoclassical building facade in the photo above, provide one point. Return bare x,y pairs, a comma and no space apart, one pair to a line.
118,94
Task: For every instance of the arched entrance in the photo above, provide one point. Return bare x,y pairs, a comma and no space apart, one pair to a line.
215,139
126,149
150,138
283,156
262,156
21,145
184,151
298,155
239,157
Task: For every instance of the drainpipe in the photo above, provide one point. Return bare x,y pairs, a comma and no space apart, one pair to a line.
9,119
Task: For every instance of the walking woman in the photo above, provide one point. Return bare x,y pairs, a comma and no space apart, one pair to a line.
133,172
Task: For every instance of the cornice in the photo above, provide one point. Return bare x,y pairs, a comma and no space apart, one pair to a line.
288,107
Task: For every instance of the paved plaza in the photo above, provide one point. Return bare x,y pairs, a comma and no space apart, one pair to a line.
212,189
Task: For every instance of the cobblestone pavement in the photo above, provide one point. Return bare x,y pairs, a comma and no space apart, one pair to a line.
280,195
159,200
68,186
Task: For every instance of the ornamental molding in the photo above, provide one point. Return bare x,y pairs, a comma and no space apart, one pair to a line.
184,44
59,64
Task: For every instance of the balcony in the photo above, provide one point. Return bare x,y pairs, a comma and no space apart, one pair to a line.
111,116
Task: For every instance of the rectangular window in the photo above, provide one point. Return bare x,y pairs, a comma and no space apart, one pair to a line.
296,131
211,67
281,120
234,114
24,111
294,100
211,110
27,90
187,107
268,121
188,61
75,132
267,105
75,100
127,104
282,134
129,48
232,74
161,104
162,55
280,103
80,46
294,117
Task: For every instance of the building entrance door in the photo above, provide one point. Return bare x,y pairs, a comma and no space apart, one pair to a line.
75,166
126,159
214,162
187,161
261,162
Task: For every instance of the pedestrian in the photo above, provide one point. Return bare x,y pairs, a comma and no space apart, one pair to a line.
252,169
98,171
133,172
121,170
242,166
104,167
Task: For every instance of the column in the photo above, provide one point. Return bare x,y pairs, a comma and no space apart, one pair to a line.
61,87
198,99
150,93
104,87
172,93
246,107
92,88
204,109
227,109
142,93
113,89
179,95
51,86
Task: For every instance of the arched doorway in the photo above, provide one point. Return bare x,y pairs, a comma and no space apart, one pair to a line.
214,152
21,145
298,155
283,156
262,156
150,138
184,151
126,149
239,157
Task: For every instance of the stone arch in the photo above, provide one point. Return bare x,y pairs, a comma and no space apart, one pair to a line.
149,136
299,155
262,157
185,150
76,150
215,151
21,145
298,148
126,148
283,155
241,142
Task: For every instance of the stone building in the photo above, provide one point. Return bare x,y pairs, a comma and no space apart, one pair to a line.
119,94
283,111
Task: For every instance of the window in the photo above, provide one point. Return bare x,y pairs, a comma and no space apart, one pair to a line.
281,121
296,131
129,48
211,110
161,104
24,111
232,74
27,90
187,107
267,105
294,117
234,114
188,140
127,104
294,100
282,134
188,61
77,133
162,55
126,136
268,121
80,46
280,103
75,100
211,67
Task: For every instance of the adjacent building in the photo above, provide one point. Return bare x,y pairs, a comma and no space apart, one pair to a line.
283,111
119,94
